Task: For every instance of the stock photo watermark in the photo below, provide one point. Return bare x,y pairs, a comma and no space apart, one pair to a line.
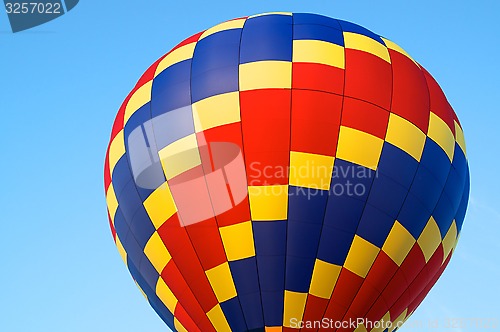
25,15
448,323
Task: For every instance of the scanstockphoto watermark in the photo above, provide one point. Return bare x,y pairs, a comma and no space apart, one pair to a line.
312,179
330,324
454,324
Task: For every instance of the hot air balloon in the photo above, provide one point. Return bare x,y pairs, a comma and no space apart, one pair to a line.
284,172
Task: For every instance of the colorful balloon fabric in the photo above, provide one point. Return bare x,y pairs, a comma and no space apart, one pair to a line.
286,171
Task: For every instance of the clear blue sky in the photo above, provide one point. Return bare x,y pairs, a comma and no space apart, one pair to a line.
62,83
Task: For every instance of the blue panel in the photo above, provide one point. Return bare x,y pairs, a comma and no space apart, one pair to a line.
349,179
444,214
252,309
459,160
318,32
351,27
134,251
427,188
148,272
129,201
267,37
375,225
298,273
162,311
306,205
343,212
215,64
171,88
244,272
139,118
142,154
121,226
270,237
462,208
397,164
272,303
121,175
387,195
334,245
271,272
436,160
306,18
413,215
134,271
232,310
303,239
172,126
454,188
142,227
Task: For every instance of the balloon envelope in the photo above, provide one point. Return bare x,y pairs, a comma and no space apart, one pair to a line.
286,171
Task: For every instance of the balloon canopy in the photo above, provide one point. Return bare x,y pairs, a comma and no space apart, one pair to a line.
285,171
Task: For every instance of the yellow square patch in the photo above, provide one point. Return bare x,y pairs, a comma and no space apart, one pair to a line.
359,147
405,135
318,51
363,43
398,243
310,170
238,240
361,256
265,75
268,202
160,205
293,307
221,280
180,156
216,111
324,278
430,239
157,253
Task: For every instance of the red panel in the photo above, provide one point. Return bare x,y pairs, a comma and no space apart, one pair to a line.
395,288
367,77
227,133
177,283
207,242
413,263
360,115
381,272
314,76
178,244
439,103
377,311
363,301
183,317
346,288
410,97
149,73
334,313
315,121
401,304
315,308
416,302
237,214
265,116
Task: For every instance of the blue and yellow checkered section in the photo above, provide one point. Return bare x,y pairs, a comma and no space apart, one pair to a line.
285,167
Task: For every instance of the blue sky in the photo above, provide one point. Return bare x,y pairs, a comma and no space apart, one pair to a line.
62,83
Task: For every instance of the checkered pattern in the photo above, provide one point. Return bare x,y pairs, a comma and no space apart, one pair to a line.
229,165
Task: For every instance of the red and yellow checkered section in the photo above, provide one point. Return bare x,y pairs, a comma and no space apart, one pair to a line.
285,168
